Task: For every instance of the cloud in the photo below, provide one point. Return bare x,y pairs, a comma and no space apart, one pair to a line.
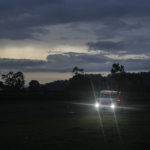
29,28
55,63
106,45
67,61
129,46
25,17
20,64
136,64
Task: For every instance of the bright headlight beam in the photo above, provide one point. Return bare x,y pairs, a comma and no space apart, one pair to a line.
97,105
112,106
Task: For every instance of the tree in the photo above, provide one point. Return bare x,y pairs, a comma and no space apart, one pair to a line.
14,80
77,71
34,85
1,85
116,68
122,69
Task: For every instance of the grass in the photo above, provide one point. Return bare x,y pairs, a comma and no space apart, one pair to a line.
51,125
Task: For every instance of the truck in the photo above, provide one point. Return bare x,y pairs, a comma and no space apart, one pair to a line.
108,99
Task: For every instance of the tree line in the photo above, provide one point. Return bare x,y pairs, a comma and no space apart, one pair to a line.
15,81
79,86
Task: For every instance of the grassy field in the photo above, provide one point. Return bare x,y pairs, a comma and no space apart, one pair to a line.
58,125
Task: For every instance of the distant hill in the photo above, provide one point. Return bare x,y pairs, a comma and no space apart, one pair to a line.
57,85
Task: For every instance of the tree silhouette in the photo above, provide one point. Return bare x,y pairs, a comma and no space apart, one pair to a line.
122,69
14,80
116,68
77,71
34,85
1,85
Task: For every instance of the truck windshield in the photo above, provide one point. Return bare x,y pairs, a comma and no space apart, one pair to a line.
104,95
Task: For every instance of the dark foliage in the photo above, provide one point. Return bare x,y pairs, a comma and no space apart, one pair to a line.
116,68
34,85
13,80
57,85
1,85
133,86
77,71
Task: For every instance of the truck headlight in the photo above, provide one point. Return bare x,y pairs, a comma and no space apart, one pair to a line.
97,105
112,106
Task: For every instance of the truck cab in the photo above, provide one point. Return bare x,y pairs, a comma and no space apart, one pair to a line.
108,99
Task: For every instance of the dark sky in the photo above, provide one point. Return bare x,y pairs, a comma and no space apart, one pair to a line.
56,35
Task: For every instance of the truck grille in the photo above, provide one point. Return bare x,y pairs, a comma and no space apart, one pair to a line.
105,103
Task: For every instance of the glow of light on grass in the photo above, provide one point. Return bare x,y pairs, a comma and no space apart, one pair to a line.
99,114
117,128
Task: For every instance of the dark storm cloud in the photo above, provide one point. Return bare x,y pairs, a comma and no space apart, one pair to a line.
21,33
120,27
105,45
130,46
58,62
66,62
77,58
22,17
136,64
22,64
94,62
